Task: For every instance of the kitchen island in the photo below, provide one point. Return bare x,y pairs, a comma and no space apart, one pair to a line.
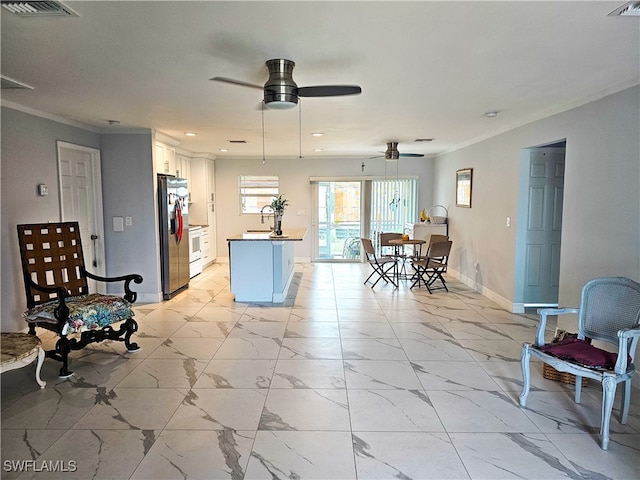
261,265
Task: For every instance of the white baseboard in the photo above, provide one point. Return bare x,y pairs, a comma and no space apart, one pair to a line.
485,292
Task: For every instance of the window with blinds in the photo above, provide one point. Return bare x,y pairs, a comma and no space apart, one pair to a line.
256,191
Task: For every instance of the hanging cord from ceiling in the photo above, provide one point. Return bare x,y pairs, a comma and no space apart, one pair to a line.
395,197
262,114
299,128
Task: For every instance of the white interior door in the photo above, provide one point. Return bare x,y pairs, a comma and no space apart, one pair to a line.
544,226
81,201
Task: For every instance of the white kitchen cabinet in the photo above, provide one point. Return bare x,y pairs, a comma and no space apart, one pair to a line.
205,246
203,197
183,167
424,231
165,158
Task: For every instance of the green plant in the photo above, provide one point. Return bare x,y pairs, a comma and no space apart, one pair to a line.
279,204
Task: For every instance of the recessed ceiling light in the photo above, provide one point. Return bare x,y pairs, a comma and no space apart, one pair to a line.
317,149
317,134
491,114
113,122
224,149
190,134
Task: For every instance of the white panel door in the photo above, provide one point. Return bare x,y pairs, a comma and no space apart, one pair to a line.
81,201
544,226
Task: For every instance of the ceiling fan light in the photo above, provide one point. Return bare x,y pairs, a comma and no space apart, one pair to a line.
280,104
280,91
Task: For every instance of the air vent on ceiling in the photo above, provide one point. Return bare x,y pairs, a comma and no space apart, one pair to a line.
237,141
7,83
629,9
37,9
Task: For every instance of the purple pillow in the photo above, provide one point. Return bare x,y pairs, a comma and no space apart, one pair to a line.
582,352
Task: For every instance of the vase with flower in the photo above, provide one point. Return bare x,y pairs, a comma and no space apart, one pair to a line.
278,205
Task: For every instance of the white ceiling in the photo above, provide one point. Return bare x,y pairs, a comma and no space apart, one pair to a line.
427,69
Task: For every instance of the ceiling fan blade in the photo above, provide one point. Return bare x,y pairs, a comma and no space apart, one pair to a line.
329,90
236,82
411,155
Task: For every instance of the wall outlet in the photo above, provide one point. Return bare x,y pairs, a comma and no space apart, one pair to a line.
128,221
43,189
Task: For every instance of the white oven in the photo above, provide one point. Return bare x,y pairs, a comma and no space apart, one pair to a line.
195,251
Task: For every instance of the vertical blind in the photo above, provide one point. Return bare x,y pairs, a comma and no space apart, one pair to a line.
393,204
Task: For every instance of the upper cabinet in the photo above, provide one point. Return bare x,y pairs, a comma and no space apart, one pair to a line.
183,168
165,158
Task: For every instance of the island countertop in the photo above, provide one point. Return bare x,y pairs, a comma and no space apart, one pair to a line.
289,235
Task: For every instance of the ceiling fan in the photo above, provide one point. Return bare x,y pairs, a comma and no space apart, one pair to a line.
392,153
281,91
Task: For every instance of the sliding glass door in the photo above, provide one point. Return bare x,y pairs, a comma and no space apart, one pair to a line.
338,221
346,210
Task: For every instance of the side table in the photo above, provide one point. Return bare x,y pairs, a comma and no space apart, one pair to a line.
19,350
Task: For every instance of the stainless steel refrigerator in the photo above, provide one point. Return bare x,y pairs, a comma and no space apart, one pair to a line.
173,208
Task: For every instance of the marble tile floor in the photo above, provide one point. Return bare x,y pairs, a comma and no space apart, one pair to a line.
340,382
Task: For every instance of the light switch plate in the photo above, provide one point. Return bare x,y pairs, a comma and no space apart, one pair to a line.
43,189
118,224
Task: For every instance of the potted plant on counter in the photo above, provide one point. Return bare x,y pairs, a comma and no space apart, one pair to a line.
278,205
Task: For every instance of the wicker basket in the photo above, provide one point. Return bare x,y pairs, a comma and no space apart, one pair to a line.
437,219
551,373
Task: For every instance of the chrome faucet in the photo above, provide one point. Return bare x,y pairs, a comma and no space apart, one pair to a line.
272,213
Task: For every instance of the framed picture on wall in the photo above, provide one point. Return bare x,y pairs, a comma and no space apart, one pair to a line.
464,179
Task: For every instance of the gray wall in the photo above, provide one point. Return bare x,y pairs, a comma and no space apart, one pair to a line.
29,157
601,216
129,189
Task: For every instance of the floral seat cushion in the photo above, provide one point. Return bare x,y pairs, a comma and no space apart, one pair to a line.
86,312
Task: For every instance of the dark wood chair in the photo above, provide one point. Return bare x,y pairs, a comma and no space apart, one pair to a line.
58,298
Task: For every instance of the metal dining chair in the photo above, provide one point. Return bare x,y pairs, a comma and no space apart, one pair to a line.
429,269
381,265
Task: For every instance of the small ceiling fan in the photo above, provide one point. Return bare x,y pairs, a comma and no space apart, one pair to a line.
392,153
281,91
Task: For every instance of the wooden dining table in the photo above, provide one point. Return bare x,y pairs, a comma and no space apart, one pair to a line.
400,270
